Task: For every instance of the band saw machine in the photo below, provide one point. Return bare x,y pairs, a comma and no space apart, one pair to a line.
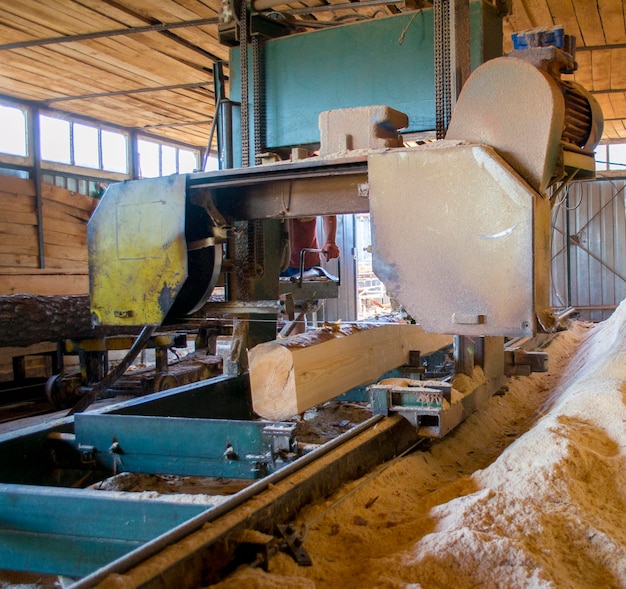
460,238
460,226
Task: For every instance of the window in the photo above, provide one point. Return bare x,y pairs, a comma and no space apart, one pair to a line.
13,125
114,152
86,149
168,160
602,158
617,156
187,161
372,298
611,156
159,159
78,144
149,161
55,139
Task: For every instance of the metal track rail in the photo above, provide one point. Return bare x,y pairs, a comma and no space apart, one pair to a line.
277,498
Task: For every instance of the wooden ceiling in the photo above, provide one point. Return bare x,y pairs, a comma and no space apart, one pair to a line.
148,64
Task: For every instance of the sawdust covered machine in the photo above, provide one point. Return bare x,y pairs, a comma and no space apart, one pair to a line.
460,237
460,226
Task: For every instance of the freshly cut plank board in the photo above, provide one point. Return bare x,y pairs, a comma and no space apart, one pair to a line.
292,375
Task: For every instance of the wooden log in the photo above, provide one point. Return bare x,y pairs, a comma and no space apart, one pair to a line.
292,375
30,319
27,319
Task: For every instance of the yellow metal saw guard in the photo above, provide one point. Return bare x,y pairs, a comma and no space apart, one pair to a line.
137,251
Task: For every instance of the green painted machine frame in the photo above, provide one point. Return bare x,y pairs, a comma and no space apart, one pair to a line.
386,61
190,447
203,429
74,532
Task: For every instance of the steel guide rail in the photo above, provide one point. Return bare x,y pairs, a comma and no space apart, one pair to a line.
290,484
39,516
141,554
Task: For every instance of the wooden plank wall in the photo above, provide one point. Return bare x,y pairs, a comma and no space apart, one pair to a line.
65,216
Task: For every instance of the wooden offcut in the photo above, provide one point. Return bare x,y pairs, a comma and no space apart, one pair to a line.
289,376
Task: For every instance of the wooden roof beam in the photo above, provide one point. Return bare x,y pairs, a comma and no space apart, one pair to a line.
166,31
599,47
111,33
169,125
135,91
336,7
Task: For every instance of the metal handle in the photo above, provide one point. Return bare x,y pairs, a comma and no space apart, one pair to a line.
303,251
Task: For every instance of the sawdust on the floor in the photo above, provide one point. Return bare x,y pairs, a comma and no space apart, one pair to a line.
530,492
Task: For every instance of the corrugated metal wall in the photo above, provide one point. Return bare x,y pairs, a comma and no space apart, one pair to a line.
343,307
589,248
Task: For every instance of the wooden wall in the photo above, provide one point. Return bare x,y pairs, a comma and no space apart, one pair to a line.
65,215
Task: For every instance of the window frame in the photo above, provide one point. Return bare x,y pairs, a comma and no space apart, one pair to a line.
170,144
72,166
12,160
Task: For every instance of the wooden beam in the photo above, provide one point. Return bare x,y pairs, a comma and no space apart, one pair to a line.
203,85
289,376
111,33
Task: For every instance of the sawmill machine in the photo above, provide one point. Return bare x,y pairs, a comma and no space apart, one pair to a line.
461,227
460,237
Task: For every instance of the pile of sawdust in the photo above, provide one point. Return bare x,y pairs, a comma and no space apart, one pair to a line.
530,492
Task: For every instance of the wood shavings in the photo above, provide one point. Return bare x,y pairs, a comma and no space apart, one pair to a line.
529,492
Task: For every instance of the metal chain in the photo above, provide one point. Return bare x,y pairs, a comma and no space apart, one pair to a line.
245,111
258,103
443,70
437,8
447,65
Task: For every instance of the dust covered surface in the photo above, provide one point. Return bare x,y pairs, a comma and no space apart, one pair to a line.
530,492
186,489
329,420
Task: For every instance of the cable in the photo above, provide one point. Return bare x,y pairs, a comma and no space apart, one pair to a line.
406,29
212,133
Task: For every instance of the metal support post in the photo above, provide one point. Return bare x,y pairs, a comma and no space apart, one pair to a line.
464,354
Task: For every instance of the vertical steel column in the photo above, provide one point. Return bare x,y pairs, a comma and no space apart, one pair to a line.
36,143
568,249
460,32
226,135
464,355
224,112
135,171
441,21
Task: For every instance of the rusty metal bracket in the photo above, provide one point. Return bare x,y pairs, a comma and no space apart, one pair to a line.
293,543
